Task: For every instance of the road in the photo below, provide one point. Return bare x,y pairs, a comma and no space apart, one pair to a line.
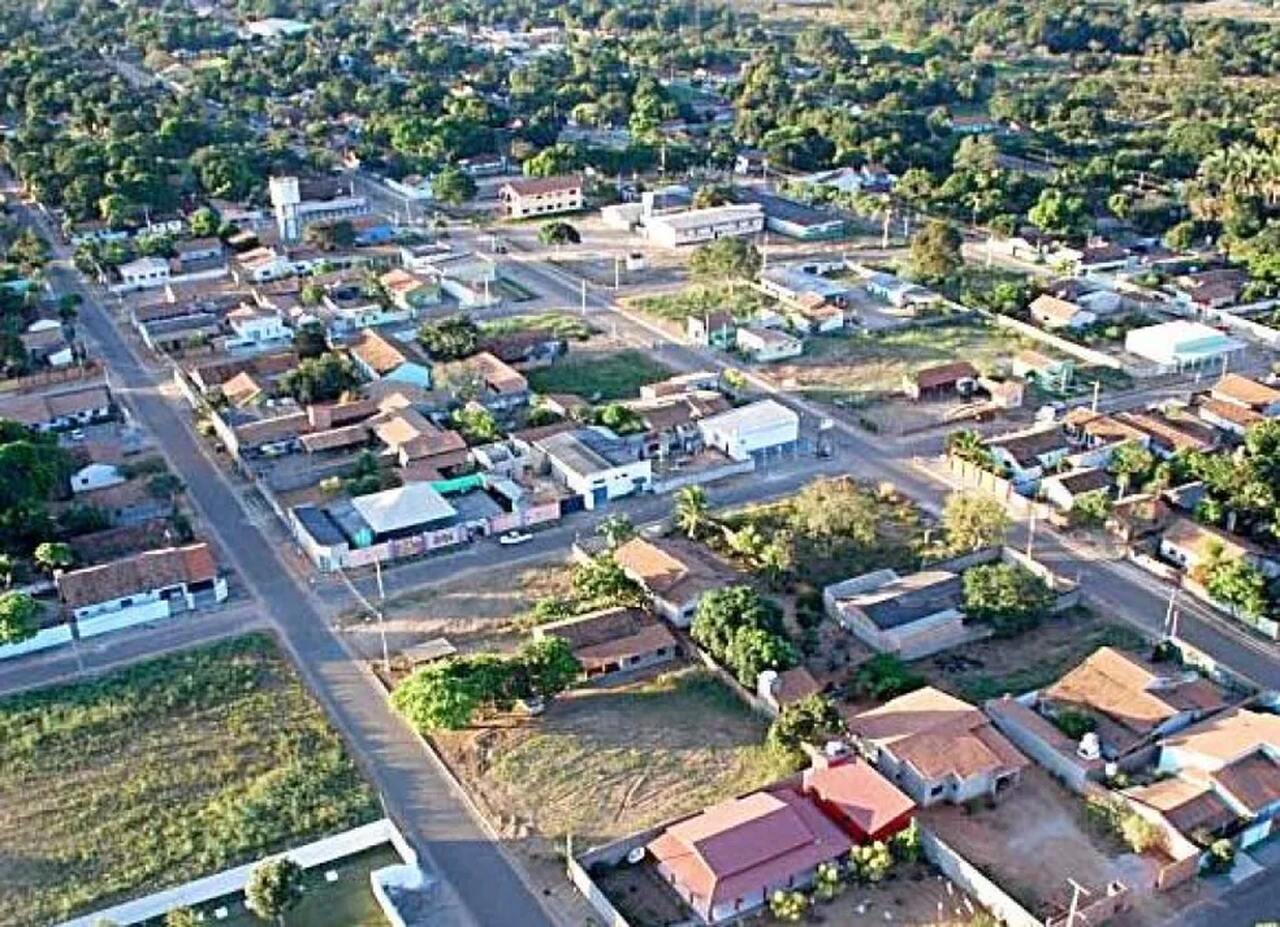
481,886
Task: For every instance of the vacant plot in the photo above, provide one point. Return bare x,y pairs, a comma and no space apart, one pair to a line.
845,366
990,668
559,324
740,301
161,773
602,763
600,378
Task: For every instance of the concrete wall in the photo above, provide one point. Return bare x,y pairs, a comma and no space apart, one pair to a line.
599,902
1038,743
124,618
960,871
44,639
1080,352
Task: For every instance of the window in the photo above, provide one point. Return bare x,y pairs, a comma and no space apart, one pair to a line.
937,790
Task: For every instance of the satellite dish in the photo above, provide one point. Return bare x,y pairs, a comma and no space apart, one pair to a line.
636,855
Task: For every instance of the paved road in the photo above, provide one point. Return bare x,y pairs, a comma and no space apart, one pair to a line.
481,886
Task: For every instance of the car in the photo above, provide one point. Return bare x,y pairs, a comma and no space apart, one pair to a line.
514,537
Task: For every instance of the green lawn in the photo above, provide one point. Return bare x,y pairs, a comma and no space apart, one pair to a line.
160,773
602,378
699,299
561,324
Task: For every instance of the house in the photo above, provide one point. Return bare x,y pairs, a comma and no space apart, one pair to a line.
416,442
1053,313
595,464
143,273
866,805
1026,455
1210,289
196,251
254,326
46,342
911,616
96,476
939,381
673,572
501,386
698,226
750,161
895,291
1166,435
406,510
716,329
1227,416
379,359
1181,344
795,219
614,640
727,860
410,291
1046,372
973,124
694,382
1065,489
126,503
145,587
671,422
1192,545
59,411
541,196
525,350
764,345
1130,700
756,431
936,748
1247,394
1223,776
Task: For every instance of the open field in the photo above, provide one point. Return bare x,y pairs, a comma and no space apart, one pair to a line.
602,763
990,668
700,299
601,378
163,772
560,324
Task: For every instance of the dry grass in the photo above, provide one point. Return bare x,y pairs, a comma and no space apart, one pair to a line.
602,763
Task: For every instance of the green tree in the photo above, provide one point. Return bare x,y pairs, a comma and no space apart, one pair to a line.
274,888
871,862
905,844
451,338
974,521
182,917
935,252
453,186
603,584
828,881
754,650
616,529
310,340
18,617
725,259
53,555
477,424
558,233
6,570
320,379
832,510
331,236
1239,584
1058,213
1131,462
812,720
549,666
721,612
204,222
1009,598
440,696
691,511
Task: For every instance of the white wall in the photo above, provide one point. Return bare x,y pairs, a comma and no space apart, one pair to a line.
43,640
123,618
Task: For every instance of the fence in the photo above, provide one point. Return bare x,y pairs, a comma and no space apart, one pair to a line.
962,872
974,477
54,636
1078,351
43,378
1041,741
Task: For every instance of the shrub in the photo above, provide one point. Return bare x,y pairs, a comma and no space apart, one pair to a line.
882,677
789,907
1221,857
1075,724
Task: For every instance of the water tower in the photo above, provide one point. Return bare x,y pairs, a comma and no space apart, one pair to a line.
285,198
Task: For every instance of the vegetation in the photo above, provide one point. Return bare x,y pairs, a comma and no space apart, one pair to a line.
1010,598
725,259
19,614
171,769
1113,816
320,379
883,677
599,379
743,631
812,720
452,338
691,511
274,887
935,252
973,521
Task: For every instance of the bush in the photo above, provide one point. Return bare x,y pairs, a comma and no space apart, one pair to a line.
882,677
1221,857
1009,598
1075,724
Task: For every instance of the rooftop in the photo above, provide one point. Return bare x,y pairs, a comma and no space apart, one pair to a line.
406,506
901,600
607,636
152,570
864,796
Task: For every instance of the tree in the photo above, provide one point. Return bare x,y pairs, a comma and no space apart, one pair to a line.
437,697
828,881
558,233
973,522
812,720
1131,461
601,583
1058,213
18,614
725,258
616,529
691,511
331,236
754,650
549,666
453,186
935,252
722,611
884,676
968,445
788,906
6,570
1091,510
831,510
274,888
477,424
871,862
710,195
451,338
204,222
1009,598
1239,584
310,340
53,555
182,917
905,844
320,379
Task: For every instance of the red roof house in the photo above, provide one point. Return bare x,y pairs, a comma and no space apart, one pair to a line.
864,803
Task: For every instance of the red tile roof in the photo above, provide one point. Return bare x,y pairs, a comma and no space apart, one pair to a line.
154,569
866,798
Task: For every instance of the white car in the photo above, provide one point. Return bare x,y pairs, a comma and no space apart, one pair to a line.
514,537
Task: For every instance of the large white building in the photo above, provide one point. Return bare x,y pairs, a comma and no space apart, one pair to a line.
596,464
1180,344
697,226
758,430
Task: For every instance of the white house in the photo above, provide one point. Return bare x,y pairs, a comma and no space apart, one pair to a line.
144,273
761,429
1028,454
256,326
1181,343
144,587
895,291
767,344
1054,313
96,476
596,464
541,196
697,226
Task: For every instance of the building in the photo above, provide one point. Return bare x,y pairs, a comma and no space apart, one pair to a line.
940,381
379,359
256,327
146,587
1247,393
144,273
1026,455
716,329
911,616
795,219
59,411
698,226
674,573
410,291
937,748
293,213
764,345
1192,545
1210,289
45,342
727,860
1180,344
541,196
1166,435
1045,371
502,387
756,431
416,442
1066,489
866,805
899,293
1053,313
595,464
780,689
614,640
96,476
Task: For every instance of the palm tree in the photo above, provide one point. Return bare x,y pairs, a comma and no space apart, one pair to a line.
691,510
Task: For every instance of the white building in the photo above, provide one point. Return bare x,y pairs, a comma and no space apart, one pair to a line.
596,464
96,476
541,196
1181,344
1053,313
697,226
256,326
758,430
144,273
768,344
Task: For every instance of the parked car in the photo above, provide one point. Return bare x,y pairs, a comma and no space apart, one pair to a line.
514,537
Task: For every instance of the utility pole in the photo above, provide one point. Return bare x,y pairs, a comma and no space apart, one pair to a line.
884,237
617,272
1097,391
372,609
1031,530
1171,616
584,296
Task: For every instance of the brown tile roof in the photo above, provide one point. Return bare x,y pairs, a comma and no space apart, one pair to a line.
377,353
1027,447
1181,435
334,438
1053,309
1203,541
414,437
241,388
672,568
944,374
1186,805
111,543
1229,736
1230,412
533,186
610,635
1254,781
271,430
793,685
864,796
33,409
497,375
1244,391
154,569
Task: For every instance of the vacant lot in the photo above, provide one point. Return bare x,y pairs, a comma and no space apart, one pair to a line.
599,378
702,299
163,772
559,324
602,763
990,668
847,366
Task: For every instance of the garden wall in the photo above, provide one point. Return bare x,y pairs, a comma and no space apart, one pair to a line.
1078,351
44,639
962,872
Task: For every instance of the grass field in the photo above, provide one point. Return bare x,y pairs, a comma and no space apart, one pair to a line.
600,378
560,324
602,763
699,299
161,773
